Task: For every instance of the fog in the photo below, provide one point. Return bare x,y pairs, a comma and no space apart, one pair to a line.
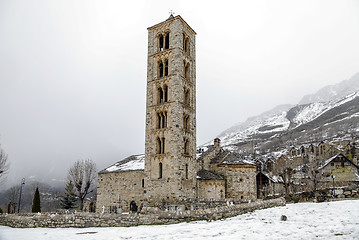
73,73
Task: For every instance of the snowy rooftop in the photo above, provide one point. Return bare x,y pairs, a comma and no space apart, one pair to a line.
131,163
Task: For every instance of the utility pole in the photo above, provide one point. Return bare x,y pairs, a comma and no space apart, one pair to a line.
22,183
333,186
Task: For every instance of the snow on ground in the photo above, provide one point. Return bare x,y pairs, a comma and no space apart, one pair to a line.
328,220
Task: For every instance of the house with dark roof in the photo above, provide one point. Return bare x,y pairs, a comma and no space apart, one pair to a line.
224,174
344,171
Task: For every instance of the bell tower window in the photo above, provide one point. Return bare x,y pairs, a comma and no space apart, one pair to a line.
160,145
162,94
160,170
166,68
161,120
186,123
186,44
187,71
166,94
186,97
167,41
163,42
162,70
160,42
186,146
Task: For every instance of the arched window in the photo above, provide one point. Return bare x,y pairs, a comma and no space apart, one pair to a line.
163,145
186,96
186,122
166,94
160,42
186,45
160,95
161,120
133,206
167,41
186,146
187,71
160,69
159,145
163,69
160,170
166,68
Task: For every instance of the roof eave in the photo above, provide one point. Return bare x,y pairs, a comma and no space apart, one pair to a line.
172,19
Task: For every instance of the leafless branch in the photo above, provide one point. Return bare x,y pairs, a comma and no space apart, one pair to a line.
83,174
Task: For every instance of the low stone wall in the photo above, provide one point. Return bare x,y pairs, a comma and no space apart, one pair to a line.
327,194
147,216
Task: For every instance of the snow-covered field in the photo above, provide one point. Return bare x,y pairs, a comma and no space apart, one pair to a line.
333,220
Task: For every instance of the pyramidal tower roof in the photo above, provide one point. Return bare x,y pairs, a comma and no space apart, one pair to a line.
173,18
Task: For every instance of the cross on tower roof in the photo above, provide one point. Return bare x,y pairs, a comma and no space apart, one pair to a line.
171,14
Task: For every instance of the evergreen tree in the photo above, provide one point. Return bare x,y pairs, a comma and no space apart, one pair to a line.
36,202
68,201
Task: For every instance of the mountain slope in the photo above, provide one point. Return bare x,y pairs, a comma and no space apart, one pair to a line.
331,117
333,92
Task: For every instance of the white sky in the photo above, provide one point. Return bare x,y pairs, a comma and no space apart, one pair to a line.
73,73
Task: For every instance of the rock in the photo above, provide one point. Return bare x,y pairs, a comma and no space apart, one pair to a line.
339,191
283,218
352,187
321,198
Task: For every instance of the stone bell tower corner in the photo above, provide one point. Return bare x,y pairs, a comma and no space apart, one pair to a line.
170,142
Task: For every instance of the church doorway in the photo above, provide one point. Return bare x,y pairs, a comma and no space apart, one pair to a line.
133,206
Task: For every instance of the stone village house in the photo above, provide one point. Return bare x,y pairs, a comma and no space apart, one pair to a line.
169,172
311,166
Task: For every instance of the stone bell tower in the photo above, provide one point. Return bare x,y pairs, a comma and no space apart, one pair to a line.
170,148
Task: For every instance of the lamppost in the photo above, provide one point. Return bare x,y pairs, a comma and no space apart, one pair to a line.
22,183
333,186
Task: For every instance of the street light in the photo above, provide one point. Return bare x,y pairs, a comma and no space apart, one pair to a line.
333,186
22,183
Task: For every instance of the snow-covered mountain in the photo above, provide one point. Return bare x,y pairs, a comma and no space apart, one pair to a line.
320,119
333,92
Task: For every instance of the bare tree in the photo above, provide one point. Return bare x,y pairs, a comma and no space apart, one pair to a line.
83,175
12,195
287,178
4,165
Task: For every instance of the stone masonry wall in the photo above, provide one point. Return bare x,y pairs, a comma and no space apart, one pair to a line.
170,167
147,216
116,190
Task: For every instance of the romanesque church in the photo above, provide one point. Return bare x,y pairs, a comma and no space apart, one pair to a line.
171,171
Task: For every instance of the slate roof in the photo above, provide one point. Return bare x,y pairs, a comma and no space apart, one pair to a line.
326,162
230,158
208,175
274,179
204,154
131,163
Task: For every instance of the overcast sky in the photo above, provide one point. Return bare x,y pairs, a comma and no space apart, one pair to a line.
73,73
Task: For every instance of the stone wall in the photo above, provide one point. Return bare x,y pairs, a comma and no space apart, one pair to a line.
327,194
211,189
147,216
119,189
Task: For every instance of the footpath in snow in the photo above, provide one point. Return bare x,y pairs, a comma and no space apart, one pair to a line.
328,220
